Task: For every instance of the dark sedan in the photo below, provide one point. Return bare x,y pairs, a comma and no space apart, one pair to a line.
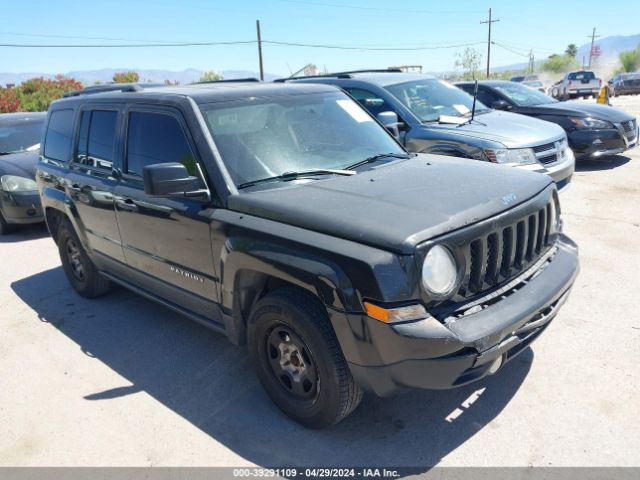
19,144
593,130
625,84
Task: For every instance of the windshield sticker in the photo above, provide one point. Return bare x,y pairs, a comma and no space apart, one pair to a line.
354,110
462,109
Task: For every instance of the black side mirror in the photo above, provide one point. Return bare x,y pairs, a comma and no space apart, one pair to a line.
169,179
390,122
500,105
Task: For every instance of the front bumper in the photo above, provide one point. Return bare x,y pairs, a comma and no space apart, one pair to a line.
21,207
436,354
594,143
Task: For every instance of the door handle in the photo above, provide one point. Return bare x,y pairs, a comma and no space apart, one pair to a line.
127,204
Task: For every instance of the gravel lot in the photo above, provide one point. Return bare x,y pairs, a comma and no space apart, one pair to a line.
122,381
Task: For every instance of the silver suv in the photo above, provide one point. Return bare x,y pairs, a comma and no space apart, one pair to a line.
430,115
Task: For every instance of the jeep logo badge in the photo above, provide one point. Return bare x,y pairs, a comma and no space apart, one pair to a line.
508,199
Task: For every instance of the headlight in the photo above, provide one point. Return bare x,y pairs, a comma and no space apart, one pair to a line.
12,183
512,156
590,123
439,272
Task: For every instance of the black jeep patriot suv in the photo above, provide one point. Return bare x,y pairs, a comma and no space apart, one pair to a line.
287,218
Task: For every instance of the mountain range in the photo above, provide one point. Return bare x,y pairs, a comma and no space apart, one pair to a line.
610,48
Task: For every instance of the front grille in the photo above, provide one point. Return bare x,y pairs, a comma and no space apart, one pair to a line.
548,158
544,148
629,129
499,255
550,152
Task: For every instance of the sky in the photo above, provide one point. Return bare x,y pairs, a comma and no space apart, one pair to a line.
438,29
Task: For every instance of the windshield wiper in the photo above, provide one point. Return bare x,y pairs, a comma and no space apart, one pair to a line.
286,176
375,158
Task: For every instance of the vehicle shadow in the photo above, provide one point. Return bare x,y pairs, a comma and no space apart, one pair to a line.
606,163
203,378
25,232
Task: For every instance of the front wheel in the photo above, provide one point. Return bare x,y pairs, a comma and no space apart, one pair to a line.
298,360
82,274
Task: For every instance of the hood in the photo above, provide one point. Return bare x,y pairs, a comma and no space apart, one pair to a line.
397,206
22,164
579,109
510,129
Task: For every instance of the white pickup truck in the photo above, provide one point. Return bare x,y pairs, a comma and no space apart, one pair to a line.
582,83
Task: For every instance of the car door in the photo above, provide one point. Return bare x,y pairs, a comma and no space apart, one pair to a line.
92,179
166,240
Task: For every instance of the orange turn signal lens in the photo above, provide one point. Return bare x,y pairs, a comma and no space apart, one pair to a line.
398,314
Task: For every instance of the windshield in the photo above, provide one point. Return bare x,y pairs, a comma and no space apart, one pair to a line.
523,96
265,137
19,136
430,98
533,84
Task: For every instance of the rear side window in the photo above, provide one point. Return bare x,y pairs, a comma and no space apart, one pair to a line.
373,103
157,138
97,138
57,145
581,76
485,96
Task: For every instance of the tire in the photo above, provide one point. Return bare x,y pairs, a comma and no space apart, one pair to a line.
5,227
298,359
82,274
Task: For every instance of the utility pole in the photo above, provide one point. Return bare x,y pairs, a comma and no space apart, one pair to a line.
593,37
260,50
489,40
532,62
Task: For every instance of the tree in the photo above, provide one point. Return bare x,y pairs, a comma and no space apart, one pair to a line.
469,61
560,63
9,100
630,60
572,50
126,77
35,94
210,76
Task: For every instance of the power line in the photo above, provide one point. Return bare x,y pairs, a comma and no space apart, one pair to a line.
373,49
127,45
242,42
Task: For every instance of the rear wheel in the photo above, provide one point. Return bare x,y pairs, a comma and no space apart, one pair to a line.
78,267
298,359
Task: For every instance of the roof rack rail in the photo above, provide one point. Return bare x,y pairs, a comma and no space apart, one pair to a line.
228,80
113,87
346,74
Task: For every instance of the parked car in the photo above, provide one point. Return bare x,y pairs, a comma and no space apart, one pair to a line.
433,116
625,84
19,142
582,83
287,218
524,78
535,84
593,130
